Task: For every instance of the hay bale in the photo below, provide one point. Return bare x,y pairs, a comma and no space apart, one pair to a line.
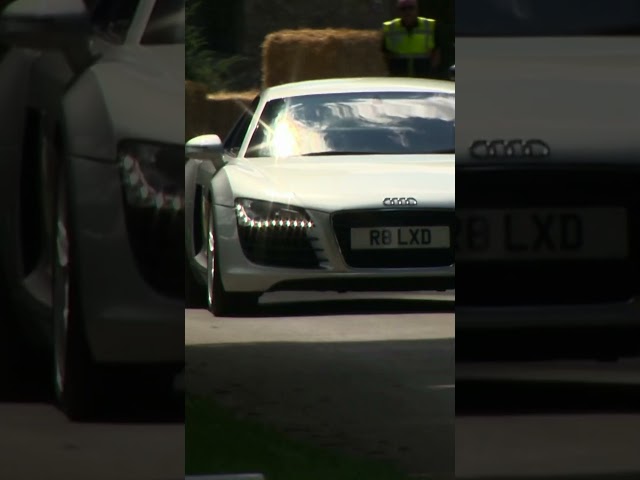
306,54
225,108
214,113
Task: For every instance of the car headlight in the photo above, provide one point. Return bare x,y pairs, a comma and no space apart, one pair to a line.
153,174
261,214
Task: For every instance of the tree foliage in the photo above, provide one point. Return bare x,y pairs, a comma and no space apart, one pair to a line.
202,64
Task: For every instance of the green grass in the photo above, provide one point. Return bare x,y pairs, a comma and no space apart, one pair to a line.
217,442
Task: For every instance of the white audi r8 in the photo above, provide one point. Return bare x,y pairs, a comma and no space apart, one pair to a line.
548,172
339,184
91,158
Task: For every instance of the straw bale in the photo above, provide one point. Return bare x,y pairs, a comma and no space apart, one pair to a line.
307,54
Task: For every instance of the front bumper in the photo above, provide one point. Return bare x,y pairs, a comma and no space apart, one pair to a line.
127,319
554,294
241,275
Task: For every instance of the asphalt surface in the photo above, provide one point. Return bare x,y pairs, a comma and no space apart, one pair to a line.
140,435
370,375
570,420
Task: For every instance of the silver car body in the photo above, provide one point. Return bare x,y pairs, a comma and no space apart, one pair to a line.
577,95
322,186
129,91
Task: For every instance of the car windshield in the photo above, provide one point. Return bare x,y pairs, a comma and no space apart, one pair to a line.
166,25
356,123
547,17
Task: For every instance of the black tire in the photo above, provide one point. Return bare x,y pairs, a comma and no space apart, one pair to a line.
77,378
222,303
195,294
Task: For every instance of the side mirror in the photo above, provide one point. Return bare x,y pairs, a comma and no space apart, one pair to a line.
206,147
41,24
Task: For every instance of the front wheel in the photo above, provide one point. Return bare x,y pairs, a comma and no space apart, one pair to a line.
220,302
194,292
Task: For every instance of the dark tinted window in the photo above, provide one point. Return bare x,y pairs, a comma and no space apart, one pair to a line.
112,18
167,23
236,136
547,17
90,5
356,123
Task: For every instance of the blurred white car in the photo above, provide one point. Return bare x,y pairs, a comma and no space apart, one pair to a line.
548,168
342,184
92,152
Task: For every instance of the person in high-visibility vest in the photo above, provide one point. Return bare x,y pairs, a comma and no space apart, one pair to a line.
409,43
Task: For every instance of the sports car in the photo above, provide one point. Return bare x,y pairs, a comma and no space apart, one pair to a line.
548,169
92,152
336,184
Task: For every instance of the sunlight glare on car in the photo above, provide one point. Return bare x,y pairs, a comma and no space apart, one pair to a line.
284,140
290,138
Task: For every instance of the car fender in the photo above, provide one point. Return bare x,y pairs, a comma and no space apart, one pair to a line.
142,103
86,120
190,184
222,191
111,102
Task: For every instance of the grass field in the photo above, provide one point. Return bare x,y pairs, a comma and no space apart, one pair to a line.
218,442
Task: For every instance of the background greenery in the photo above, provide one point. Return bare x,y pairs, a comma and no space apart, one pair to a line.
209,52
216,440
217,51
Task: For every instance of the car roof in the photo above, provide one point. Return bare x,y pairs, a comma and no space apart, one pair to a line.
361,84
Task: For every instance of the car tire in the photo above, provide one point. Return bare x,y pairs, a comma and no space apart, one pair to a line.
194,292
76,375
222,303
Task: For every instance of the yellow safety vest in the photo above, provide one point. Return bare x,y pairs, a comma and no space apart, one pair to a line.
417,43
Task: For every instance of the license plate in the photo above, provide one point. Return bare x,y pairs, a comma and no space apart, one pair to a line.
400,238
542,234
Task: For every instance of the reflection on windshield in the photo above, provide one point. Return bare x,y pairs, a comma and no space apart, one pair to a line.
547,17
384,123
166,24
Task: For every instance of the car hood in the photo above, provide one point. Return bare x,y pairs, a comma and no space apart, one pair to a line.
578,95
346,182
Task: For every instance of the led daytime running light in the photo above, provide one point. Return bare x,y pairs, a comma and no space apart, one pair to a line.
140,191
246,221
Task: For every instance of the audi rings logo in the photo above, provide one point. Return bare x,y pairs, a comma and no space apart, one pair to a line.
509,149
399,201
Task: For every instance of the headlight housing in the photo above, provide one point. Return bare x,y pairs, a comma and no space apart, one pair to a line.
276,234
152,178
152,174
261,214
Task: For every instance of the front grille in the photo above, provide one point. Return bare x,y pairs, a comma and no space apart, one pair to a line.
549,282
344,221
280,246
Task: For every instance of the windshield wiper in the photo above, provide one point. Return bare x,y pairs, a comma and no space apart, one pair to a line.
340,152
444,150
